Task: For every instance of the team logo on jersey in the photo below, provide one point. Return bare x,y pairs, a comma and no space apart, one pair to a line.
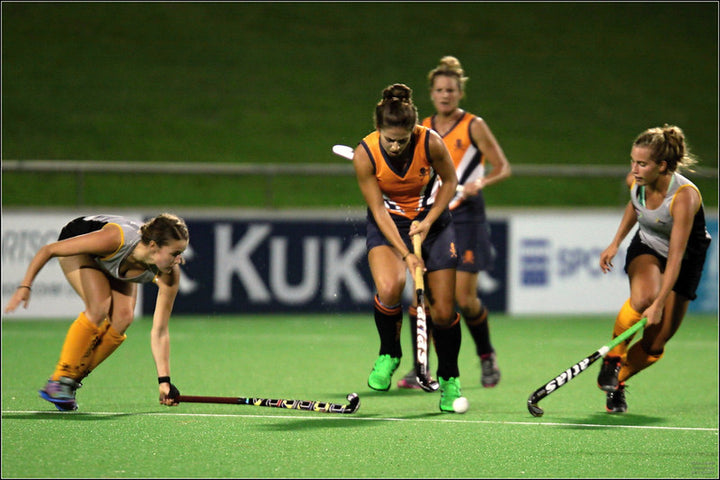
424,172
468,257
458,144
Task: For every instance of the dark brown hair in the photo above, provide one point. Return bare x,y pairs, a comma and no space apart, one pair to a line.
396,109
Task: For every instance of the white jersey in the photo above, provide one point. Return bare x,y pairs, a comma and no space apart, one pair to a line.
131,237
656,224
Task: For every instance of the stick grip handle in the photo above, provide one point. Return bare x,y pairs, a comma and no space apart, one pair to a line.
625,335
417,250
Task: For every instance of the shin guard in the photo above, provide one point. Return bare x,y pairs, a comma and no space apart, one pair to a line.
447,346
388,321
480,332
108,343
637,360
626,318
80,341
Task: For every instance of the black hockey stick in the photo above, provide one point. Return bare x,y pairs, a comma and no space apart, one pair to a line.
577,369
421,333
324,407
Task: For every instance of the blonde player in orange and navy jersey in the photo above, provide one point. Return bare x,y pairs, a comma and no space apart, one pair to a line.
471,145
665,259
397,167
104,257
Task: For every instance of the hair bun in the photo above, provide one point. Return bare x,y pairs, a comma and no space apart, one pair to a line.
397,91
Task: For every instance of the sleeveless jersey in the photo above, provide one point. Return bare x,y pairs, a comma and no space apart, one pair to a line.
469,165
405,193
655,225
130,238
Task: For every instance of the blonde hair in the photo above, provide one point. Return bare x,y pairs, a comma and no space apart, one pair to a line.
396,109
667,144
449,66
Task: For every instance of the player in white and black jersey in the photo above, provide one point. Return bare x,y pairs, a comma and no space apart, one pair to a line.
104,257
665,259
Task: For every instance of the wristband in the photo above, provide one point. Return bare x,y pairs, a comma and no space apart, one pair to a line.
405,256
163,379
25,286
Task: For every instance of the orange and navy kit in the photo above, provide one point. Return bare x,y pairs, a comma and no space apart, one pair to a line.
407,192
469,165
472,232
407,197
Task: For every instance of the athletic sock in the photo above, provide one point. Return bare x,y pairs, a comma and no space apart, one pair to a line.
388,321
109,342
626,318
447,345
637,360
480,332
80,340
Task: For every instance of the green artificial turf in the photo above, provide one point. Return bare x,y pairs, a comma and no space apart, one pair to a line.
120,431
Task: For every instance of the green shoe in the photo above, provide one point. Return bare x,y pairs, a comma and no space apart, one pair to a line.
449,392
381,375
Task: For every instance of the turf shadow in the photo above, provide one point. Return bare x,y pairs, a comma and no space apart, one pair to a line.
63,416
393,392
299,424
626,419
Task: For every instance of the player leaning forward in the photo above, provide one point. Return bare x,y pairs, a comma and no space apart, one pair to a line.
397,166
104,257
665,259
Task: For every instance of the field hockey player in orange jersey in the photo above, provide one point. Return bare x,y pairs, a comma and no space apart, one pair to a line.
397,166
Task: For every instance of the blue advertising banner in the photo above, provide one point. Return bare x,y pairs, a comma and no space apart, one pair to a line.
707,292
296,266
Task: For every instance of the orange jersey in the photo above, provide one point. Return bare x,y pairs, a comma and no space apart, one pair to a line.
407,192
468,159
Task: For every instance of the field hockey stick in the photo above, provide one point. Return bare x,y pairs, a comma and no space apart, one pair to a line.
421,332
324,407
343,151
577,369
348,153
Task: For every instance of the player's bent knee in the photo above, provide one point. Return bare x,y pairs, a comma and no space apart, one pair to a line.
641,302
122,319
390,294
96,316
444,318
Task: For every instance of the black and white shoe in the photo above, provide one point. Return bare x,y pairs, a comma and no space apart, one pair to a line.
608,377
616,400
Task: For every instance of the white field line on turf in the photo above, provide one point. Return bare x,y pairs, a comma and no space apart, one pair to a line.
347,417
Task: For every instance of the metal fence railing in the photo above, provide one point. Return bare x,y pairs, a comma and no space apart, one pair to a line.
82,167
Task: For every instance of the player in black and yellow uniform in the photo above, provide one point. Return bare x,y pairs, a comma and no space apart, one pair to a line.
104,258
398,166
665,259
